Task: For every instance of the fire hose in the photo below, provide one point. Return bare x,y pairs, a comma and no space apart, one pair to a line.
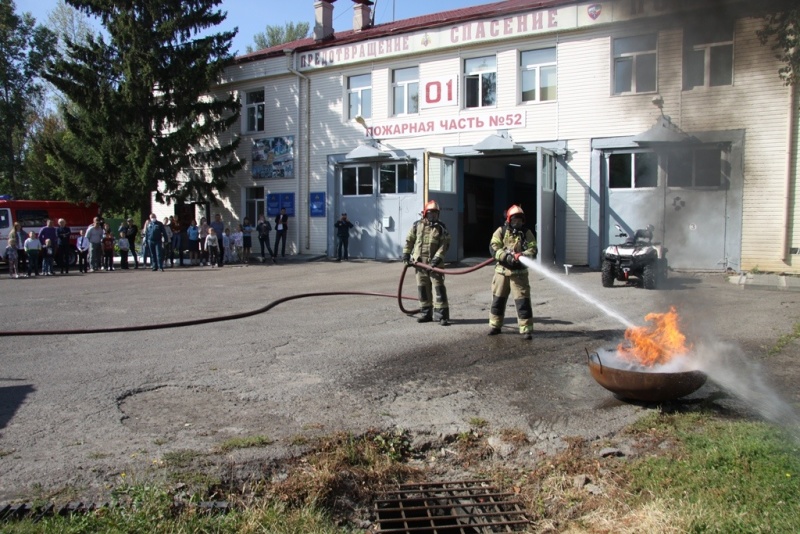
230,317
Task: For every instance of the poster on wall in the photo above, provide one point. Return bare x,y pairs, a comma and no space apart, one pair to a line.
278,201
316,204
273,157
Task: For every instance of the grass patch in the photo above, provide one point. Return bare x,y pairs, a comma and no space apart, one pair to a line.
244,443
725,476
181,458
784,340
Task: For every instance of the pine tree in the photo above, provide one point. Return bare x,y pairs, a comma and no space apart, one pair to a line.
142,119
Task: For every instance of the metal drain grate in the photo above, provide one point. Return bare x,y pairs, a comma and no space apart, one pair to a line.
464,506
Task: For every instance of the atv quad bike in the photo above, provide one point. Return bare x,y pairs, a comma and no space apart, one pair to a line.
637,257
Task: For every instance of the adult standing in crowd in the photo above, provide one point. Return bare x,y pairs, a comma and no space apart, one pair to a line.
281,227
343,227
94,234
219,229
131,233
48,231
20,236
509,243
177,240
63,235
264,228
427,242
156,236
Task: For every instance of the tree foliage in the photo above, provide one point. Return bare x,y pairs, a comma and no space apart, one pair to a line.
275,35
142,119
25,48
782,30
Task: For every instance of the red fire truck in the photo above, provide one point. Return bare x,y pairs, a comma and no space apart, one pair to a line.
33,215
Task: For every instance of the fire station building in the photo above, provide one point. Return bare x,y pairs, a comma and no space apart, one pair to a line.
587,114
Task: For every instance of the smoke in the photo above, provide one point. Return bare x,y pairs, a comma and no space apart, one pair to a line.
729,367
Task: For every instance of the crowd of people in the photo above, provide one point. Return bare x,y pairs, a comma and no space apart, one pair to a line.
159,243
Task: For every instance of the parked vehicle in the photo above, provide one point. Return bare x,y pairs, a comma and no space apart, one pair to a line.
637,257
33,215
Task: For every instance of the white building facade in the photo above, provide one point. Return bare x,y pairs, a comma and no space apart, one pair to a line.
588,114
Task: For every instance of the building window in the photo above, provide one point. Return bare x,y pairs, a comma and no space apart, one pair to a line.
359,96
708,54
254,102
254,203
635,64
701,168
442,175
632,170
357,181
405,87
480,82
538,75
396,178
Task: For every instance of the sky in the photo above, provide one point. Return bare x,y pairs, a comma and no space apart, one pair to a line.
253,16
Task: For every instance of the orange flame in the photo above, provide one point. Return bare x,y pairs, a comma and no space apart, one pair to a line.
654,345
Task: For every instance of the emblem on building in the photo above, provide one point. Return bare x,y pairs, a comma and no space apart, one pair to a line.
594,11
425,40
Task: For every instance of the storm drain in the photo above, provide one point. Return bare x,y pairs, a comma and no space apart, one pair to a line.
464,506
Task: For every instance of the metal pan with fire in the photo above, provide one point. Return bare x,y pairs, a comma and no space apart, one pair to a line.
653,364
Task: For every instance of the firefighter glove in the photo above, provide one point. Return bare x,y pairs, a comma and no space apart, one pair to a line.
511,262
436,261
407,258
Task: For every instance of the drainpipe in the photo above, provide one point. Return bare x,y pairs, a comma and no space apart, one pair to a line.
307,152
790,136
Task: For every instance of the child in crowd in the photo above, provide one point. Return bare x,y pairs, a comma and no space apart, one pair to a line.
124,247
11,256
32,248
238,242
227,246
193,237
108,251
48,255
212,247
82,244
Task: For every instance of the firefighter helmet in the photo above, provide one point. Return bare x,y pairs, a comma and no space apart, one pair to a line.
431,205
514,210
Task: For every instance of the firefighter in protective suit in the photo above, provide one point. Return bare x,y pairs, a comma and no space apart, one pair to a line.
427,242
509,243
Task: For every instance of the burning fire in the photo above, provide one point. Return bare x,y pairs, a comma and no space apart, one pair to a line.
656,344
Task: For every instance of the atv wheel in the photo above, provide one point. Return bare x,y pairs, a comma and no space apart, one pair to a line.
649,276
608,273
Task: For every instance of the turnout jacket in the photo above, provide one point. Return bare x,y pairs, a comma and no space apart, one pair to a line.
506,240
427,240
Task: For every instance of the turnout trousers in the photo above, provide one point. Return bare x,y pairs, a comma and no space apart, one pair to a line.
432,293
518,286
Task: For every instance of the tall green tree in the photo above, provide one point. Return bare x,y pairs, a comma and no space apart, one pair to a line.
782,30
275,35
142,119
25,48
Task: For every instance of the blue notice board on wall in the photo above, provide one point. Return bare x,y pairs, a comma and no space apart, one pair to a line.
276,201
316,204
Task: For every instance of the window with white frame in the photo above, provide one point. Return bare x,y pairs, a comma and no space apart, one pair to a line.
632,170
695,168
254,110
359,96
357,180
405,89
708,54
442,175
480,82
254,203
396,178
538,75
635,64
